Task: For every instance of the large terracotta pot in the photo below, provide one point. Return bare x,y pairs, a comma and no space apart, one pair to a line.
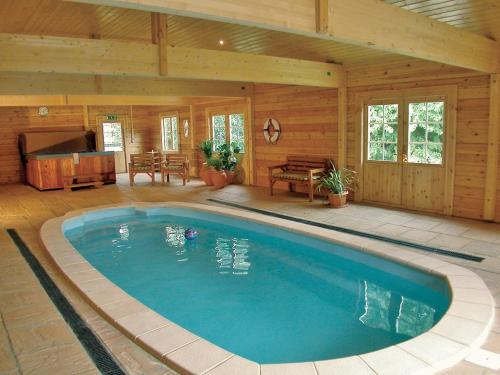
338,200
231,175
205,175
219,179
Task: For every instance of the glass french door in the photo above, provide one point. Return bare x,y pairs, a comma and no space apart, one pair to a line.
229,126
405,159
113,140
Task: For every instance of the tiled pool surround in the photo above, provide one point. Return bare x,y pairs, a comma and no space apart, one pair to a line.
464,327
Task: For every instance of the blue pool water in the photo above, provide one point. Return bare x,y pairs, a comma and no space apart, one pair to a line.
266,294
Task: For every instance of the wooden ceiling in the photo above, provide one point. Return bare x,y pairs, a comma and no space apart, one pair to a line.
479,16
55,17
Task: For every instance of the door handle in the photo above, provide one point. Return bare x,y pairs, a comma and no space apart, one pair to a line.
405,158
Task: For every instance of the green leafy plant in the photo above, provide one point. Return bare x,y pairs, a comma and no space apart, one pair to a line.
206,147
338,181
215,163
229,156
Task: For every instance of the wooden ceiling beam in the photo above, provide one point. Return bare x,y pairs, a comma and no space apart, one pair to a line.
232,66
49,54
31,84
86,100
368,23
379,25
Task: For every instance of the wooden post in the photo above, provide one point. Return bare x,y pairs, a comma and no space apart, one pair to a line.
86,125
322,16
250,136
193,163
154,28
97,78
342,126
98,84
159,36
490,190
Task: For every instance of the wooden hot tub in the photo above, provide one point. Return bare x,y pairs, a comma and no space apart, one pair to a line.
47,171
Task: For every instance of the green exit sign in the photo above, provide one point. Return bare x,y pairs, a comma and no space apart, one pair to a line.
111,117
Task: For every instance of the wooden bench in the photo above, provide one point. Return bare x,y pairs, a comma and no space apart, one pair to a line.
73,181
305,170
177,164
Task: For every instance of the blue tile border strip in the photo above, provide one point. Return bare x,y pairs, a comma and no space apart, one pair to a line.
96,350
430,249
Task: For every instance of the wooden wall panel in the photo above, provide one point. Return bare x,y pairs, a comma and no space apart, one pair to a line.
155,127
16,120
472,135
308,119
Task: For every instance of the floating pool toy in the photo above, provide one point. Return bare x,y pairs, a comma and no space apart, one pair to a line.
190,234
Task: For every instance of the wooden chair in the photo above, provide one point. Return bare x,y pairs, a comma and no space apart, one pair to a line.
177,164
305,170
148,163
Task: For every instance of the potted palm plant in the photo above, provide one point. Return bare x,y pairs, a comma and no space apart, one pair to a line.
206,148
217,174
338,183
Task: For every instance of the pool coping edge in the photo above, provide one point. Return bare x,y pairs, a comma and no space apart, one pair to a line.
458,333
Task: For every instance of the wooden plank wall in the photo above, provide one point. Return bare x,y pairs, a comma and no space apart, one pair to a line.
472,136
16,120
308,120
154,113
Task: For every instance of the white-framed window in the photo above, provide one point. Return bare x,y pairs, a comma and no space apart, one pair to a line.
229,128
170,132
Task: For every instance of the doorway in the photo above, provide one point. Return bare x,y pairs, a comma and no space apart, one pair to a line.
231,125
408,147
112,136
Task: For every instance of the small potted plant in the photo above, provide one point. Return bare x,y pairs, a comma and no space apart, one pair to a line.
206,148
338,183
217,174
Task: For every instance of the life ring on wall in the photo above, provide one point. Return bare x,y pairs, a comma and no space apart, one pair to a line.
275,125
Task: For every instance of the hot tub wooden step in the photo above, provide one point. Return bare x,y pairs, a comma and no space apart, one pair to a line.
75,181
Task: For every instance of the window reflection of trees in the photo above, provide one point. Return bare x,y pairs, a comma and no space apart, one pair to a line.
232,255
391,312
122,237
174,237
121,241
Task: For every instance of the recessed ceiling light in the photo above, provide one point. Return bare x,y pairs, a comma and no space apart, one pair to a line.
221,42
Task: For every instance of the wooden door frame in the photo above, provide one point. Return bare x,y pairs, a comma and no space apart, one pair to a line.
450,92
246,109
121,118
